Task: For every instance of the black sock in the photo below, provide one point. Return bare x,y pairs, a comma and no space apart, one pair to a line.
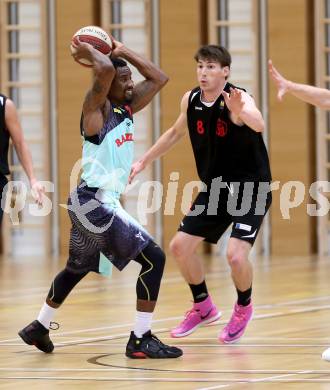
244,297
199,291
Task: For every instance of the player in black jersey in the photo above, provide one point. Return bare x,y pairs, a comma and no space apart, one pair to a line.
10,127
225,129
319,97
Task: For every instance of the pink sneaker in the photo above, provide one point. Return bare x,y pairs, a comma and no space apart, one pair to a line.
201,314
235,328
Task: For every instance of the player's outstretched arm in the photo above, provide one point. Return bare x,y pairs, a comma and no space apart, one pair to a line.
96,97
319,97
165,142
15,130
155,78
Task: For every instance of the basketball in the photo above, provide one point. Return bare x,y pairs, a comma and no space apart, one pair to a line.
96,37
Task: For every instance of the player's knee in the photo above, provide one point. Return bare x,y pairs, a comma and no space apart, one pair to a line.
235,258
177,248
154,255
161,259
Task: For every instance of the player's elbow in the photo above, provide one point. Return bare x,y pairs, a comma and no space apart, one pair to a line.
176,134
105,69
260,126
19,143
257,122
108,68
162,79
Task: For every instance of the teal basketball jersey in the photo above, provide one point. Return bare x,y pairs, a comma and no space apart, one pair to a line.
107,157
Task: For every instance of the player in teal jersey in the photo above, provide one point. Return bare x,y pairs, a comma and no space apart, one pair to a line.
100,226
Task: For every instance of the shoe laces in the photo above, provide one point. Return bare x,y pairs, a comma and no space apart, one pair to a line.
189,313
238,316
160,343
155,337
56,324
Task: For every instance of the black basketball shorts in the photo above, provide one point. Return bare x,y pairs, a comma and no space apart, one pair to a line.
243,205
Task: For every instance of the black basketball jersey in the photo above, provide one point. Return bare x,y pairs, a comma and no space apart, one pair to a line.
221,148
4,138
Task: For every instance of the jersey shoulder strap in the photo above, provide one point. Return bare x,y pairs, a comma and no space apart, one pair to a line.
194,92
3,100
229,85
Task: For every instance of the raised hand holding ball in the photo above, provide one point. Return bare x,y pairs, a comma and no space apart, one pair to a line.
93,35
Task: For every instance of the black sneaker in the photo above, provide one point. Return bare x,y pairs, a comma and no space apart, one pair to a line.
149,346
36,334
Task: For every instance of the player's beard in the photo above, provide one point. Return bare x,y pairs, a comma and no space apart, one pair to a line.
129,95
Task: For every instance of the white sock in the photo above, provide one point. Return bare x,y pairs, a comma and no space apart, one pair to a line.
46,315
142,323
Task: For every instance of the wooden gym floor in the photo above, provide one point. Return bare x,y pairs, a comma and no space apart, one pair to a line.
282,345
